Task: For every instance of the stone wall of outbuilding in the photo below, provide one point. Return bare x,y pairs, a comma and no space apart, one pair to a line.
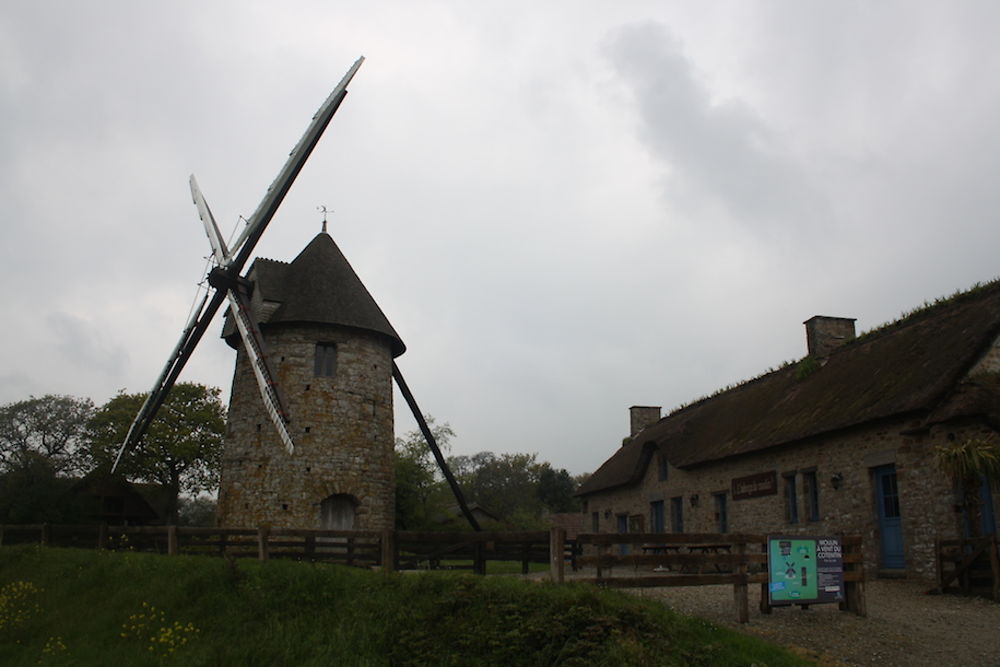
342,427
927,498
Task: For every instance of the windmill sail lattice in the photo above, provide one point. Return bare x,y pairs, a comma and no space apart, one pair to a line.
238,295
234,263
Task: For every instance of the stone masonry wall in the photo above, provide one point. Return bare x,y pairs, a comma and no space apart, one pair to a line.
927,499
342,427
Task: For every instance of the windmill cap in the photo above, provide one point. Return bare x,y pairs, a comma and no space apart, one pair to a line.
319,286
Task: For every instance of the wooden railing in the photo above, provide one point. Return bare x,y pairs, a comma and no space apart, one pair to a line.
640,560
427,550
970,565
627,561
398,549
354,547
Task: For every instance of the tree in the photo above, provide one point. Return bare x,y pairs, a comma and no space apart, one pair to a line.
967,463
52,427
196,511
556,489
505,484
516,487
31,492
419,489
182,449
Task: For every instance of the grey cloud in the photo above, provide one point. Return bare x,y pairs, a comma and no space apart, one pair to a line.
722,150
80,344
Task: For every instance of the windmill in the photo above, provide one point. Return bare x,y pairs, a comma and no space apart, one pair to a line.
226,284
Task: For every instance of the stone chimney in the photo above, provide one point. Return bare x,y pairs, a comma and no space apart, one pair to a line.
641,416
823,334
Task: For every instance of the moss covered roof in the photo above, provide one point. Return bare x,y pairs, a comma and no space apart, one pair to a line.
916,366
318,286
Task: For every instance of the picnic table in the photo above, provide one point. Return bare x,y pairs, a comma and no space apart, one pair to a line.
661,549
704,549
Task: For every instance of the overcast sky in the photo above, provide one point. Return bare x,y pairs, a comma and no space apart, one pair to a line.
564,208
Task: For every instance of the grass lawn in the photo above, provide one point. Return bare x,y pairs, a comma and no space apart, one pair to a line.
81,607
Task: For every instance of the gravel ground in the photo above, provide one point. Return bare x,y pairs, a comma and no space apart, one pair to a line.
905,625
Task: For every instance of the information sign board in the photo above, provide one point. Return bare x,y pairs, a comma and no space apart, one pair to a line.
754,486
804,570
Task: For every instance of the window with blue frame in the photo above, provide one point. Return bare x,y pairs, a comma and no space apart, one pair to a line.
677,514
656,517
721,512
663,468
810,490
791,498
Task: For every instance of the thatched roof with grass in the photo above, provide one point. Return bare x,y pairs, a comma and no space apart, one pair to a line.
916,367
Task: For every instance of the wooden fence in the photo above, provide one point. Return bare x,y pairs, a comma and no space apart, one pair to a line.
426,550
640,560
400,549
969,565
355,547
620,560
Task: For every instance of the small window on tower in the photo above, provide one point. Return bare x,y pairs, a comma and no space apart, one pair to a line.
326,360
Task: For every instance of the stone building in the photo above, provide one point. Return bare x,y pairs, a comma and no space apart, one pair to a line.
332,351
841,442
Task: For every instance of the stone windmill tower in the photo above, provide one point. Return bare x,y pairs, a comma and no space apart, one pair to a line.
331,350
323,458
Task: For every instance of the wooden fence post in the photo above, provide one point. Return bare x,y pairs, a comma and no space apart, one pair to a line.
602,550
45,535
478,559
263,533
171,540
557,559
854,591
388,551
995,568
939,558
741,591
102,536
765,593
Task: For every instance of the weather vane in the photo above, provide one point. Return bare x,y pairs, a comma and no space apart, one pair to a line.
325,211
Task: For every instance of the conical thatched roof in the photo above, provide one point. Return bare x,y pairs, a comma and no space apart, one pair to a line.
318,287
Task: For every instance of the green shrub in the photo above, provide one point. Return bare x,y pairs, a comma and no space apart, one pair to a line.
84,607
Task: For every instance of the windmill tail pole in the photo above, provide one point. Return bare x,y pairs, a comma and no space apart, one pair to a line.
422,423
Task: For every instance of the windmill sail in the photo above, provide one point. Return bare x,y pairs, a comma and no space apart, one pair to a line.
239,306
397,375
243,248
155,399
276,192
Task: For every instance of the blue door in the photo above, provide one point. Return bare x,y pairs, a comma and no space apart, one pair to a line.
988,525
656,522
889,523
623,529
989,520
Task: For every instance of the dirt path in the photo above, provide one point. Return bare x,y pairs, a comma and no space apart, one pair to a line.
905,626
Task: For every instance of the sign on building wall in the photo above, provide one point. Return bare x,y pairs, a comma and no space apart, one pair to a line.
752,486
804,570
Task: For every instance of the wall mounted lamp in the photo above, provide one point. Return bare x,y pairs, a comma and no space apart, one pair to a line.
694,500
837,480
